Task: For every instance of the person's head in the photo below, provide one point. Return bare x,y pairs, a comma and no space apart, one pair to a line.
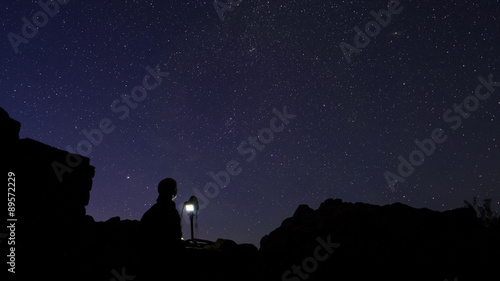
168,188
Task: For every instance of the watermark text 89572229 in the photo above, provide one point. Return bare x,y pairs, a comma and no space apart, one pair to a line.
11,221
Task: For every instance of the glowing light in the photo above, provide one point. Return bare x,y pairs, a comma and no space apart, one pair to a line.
190,207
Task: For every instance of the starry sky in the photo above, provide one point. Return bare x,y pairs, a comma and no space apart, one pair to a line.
230,71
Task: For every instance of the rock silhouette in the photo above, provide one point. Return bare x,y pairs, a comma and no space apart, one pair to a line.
392,242
56,240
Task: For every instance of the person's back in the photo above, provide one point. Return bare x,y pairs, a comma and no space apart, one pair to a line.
162,222
162,234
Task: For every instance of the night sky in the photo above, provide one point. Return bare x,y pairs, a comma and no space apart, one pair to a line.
348,121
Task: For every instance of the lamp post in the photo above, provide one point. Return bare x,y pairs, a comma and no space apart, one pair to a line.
190,211
191,207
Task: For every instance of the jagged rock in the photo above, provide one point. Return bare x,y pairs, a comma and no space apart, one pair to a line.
49,212
42,191
330,203
302,210
390,242
10,129
40,186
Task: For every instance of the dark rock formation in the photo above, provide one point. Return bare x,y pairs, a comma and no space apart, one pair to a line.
10,129
49,210
392,242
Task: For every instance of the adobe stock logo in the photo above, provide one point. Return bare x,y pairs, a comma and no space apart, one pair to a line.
40,19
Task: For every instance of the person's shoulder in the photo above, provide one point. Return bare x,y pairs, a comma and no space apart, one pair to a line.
153,209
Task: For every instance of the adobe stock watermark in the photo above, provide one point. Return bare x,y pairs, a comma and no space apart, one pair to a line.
310,264
247,148
372,28
30,29
122,106
426,147
221,7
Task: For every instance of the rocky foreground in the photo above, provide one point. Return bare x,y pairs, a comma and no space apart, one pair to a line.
56,240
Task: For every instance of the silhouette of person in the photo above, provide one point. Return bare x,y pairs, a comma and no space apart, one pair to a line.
162,240
162,221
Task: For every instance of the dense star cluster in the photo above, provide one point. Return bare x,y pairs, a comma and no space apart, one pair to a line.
259,106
